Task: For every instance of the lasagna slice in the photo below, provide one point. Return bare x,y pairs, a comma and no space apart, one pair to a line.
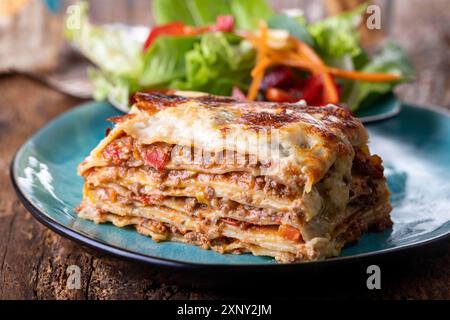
289,181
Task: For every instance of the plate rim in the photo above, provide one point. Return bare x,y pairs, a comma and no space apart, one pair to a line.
398,105
127,254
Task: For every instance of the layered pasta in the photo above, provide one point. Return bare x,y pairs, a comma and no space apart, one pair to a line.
289,181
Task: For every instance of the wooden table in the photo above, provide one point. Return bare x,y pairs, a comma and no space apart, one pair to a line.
33,259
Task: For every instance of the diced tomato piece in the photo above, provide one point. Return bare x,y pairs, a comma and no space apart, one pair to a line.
280,95
118,151
156,158
112,153
289,233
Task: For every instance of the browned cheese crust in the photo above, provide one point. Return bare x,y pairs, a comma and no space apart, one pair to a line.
297,183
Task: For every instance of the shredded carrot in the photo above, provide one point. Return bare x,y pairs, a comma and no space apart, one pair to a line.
364,76
254,87
355,75
330,90
299,55
261,65
297,62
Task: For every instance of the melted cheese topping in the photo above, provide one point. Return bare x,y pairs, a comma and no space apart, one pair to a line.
295,140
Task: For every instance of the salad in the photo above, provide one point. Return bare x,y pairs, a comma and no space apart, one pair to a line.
243,49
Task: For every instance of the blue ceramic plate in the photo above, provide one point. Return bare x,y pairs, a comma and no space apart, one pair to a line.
415,146
385,107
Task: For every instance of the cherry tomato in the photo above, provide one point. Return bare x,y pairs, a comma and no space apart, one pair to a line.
175,28
223,24
313,90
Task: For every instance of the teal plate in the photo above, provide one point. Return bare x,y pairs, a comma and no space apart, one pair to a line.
415,146
385,107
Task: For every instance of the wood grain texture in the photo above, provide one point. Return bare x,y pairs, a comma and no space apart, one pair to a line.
34,260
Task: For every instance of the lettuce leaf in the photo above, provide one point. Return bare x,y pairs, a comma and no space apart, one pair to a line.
337,36
165,61
390,59
191,12
112,50
212,62
162,64
118,58
293,26
216,64
204,12
112,87
249,12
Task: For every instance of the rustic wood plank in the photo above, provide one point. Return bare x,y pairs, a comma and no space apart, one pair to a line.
25,106
423,29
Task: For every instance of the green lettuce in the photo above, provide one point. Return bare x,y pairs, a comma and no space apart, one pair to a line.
294,26
112,87
204,12
118,57
111,50
191,12
216,64
165,61
337,36
249,12
212,62
390,59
